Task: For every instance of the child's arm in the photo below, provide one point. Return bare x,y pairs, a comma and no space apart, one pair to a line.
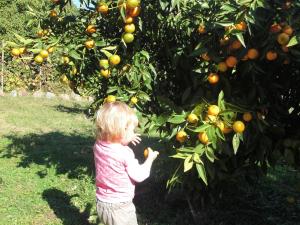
140,172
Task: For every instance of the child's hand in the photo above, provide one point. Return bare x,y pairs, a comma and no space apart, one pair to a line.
152,155
136,139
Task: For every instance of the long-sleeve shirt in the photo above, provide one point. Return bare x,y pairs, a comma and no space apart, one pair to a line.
117,170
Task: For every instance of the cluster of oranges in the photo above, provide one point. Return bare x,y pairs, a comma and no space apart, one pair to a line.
132,9
43,55
212,117
16,52
282,32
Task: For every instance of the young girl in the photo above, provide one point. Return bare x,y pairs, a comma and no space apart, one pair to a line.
117,170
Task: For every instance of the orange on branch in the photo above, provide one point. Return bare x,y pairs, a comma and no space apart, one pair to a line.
222,66
128,38
128,19
132,3
181,136
102,8
241,26
288,30
203,138
275,28
15,52
252,53
192,118
129,28
134,12
238,127
91,29
247,116
231,61
271,55
283,39
213,78
114,60
38,59
213,110
44,54
105,73
89,44
205,56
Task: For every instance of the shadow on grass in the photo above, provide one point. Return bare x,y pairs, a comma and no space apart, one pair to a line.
76,109
72,154
60,203
67,153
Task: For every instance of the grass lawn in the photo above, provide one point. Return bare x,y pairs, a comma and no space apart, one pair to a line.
47,175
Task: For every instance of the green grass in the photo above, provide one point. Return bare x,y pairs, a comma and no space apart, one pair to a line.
47,176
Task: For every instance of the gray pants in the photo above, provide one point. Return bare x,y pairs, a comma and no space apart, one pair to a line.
122,213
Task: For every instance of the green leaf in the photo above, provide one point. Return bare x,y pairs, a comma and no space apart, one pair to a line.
199,149
235,143
240,38
106,53
201,128
201,172
196,158
210,154
188,163
177,119
293,41
74,55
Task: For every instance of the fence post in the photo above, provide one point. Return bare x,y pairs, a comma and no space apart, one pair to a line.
2,67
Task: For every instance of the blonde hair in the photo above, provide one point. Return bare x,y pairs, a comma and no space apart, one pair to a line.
113,119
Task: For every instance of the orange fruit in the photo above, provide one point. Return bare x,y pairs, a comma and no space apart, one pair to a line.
181,136
236,44
132,3
40,33
146,152
213,110
271,55
252,53
74,71
55,1
103,63
210,118
105,73
91,29
134,12
285,48
38,59
102,8
128,38
201,29
222,66
192,118
213,78
45,32
283,39
221,125
275,28
231,61
15,52
247,116
50,49
128,19
110,98
241,26
64,79
288,30
227,130
114,60
65,60
129,28
205,56
238,127
44,54
203,138
133,100
53,13
224,40
89,44
22,50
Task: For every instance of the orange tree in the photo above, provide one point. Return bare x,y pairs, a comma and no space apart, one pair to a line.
218,79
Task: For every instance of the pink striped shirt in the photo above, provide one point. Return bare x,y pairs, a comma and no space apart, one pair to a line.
117,170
